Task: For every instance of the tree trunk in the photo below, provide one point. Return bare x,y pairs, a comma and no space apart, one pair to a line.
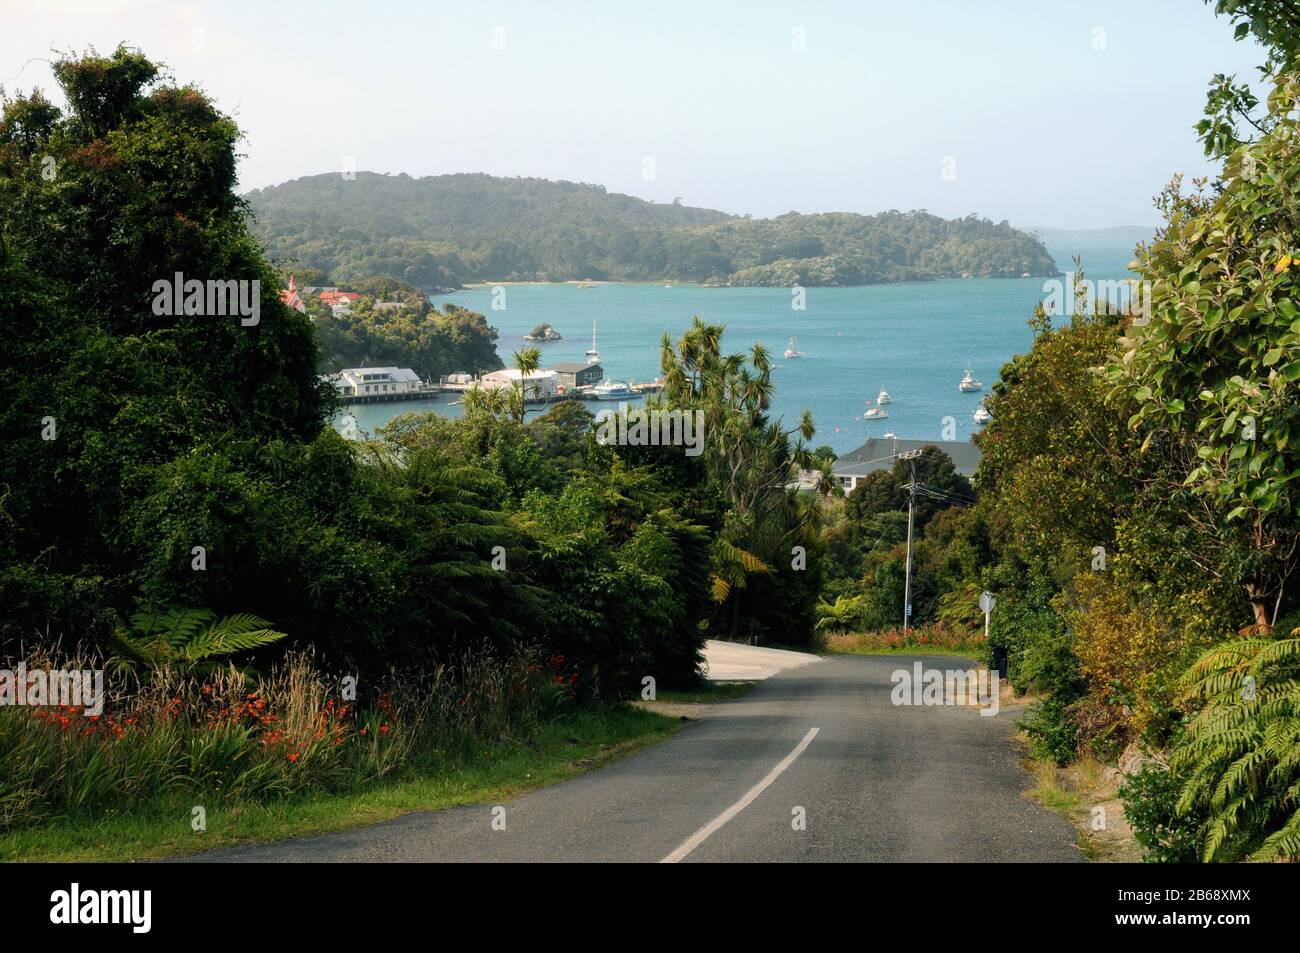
1259,606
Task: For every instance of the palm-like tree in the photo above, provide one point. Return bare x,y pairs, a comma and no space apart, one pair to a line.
750,455
494,402
526,362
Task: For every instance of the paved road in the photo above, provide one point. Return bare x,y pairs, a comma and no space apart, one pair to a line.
736,662
877,782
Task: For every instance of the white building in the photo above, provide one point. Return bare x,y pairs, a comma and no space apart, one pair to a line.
375,381
539,385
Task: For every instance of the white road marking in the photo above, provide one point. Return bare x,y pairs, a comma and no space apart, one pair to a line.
707,831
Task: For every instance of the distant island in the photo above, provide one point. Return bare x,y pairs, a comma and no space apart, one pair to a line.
1127,233
543,333
440,232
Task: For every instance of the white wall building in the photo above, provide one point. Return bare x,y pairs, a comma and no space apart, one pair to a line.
375,381
539,385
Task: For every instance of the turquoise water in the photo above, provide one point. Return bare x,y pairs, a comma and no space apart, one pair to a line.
914,339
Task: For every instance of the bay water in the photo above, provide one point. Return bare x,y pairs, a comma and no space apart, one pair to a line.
913,338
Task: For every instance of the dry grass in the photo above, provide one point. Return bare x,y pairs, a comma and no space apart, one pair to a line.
937,639
1087,793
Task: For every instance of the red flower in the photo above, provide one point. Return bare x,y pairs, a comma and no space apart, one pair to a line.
293,756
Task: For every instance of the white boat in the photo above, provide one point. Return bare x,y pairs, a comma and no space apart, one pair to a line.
875,413
593,356
790,351
883,397
981,415
612,390
349,429
969,385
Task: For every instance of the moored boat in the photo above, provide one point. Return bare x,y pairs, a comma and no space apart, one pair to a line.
612,390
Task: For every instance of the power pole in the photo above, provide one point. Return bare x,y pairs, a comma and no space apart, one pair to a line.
909,456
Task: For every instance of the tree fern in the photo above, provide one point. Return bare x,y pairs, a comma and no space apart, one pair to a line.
191,637
840,616
1240,754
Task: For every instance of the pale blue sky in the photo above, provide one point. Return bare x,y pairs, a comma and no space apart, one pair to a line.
1044,129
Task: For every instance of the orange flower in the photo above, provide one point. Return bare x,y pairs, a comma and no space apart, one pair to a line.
293,756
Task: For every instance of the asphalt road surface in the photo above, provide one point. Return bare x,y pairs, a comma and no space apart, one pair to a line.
872,781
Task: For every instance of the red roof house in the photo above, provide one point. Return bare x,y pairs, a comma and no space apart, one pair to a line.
291,297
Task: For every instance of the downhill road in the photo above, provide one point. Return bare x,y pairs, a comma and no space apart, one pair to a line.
874,781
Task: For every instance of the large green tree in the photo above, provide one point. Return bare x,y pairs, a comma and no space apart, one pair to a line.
1219,361
134,184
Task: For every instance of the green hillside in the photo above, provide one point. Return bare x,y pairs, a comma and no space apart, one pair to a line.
443,231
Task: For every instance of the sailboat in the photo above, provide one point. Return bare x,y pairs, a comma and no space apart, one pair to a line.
790,351
593,355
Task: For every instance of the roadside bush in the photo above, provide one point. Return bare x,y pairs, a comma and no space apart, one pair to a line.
1150,797
1052,731
1129,655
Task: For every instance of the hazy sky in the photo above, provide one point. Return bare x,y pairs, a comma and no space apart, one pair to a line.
1056,112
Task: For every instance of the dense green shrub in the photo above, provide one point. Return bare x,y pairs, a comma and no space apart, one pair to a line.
1150,797
1052,731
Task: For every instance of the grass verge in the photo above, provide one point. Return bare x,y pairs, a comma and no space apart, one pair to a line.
1085,793
561,749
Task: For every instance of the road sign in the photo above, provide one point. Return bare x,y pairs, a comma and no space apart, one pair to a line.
987,602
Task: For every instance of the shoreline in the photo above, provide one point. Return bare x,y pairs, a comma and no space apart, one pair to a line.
478,285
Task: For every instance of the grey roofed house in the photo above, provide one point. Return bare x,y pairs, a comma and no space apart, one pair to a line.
879,453
578,374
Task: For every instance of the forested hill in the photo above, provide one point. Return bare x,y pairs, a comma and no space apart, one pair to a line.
443,231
